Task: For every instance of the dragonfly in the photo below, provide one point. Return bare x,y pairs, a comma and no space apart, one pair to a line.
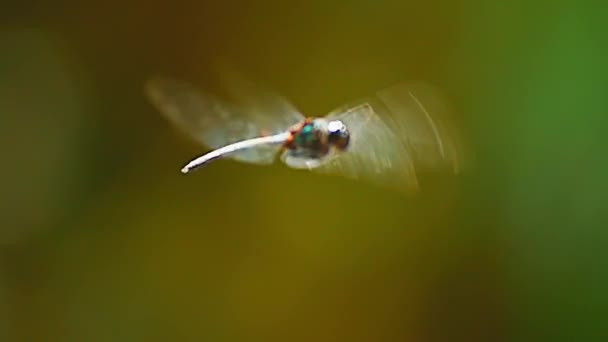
387,138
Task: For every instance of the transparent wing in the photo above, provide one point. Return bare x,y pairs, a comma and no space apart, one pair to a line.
213,122
395,134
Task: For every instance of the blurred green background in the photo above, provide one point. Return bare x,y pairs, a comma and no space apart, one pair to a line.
102,239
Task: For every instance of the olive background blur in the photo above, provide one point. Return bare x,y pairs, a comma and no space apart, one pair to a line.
102,239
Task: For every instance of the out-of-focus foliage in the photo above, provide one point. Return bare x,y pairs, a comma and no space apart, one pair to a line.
102,239
42,105
544,105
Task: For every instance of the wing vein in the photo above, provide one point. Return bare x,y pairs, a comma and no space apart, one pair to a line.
432,123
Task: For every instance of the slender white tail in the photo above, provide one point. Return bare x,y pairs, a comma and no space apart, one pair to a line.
280,138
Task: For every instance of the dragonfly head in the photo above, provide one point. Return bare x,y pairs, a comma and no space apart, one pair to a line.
339,136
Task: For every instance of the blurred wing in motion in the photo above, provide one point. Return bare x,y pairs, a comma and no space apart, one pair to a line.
395,134
216,123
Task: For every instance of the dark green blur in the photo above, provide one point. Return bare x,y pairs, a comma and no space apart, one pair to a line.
102,238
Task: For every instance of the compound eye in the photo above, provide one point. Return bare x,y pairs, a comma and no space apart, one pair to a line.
336,127
339,135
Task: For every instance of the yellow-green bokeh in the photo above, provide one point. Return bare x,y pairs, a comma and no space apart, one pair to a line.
102,239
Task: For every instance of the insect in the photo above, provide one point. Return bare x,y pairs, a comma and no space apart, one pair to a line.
386,138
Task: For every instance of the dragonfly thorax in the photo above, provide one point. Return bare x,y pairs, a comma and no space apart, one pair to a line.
313,139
